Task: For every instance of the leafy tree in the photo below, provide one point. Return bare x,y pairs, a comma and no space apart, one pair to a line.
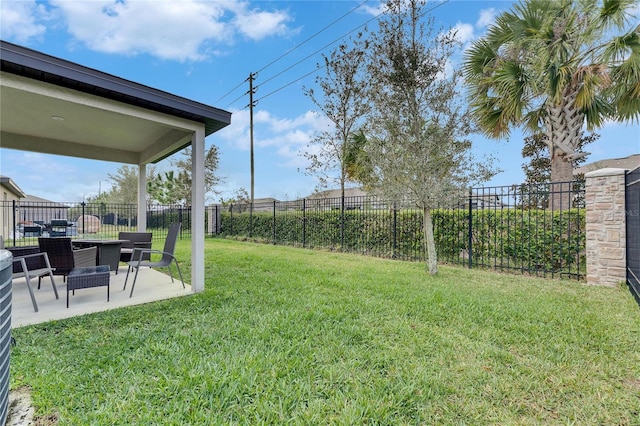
124,184
167,188
554,66
172,187
357,161
239,201
181,182
417,143
537,169
342,98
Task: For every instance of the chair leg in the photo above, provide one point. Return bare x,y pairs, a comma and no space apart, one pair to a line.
33,298
170,273
179,273
53,284
133,284
126,278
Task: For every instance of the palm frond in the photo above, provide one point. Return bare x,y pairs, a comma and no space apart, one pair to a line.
598,112
628,104
480,55
616,13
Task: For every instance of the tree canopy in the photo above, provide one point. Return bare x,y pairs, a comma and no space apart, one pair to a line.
554,67
417,138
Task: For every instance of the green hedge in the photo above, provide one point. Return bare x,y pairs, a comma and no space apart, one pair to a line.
529,240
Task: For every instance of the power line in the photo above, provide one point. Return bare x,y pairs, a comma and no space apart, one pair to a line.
322,48
314,53
293,49
313,36
229,92
289,84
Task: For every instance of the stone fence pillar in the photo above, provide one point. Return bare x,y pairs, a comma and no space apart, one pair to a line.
606,237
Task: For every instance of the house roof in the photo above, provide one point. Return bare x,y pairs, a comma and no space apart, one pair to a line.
264,200
630,162
33,199
336,193
8,183
59,107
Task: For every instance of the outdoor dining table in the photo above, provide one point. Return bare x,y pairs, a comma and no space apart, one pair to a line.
108,251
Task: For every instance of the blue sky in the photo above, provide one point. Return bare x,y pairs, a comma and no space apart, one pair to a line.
205,50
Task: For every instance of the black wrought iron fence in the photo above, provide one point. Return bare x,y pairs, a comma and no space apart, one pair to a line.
22,222
530,229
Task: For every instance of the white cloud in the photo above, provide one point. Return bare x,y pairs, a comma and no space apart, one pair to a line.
464,32
18,20
289,137
183,30
256,24
487,17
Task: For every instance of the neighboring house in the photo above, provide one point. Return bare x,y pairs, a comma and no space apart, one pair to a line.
486,201
264,204
10,192
355,199
631,162
39,210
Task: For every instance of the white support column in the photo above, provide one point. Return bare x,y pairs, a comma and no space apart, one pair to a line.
142,197
197,211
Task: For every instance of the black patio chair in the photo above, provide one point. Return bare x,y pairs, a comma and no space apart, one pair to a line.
29,263
64,257
137,257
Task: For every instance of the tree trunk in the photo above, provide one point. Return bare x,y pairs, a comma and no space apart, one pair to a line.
564,130
561,182
429,241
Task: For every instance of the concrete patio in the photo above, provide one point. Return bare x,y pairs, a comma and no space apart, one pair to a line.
152,285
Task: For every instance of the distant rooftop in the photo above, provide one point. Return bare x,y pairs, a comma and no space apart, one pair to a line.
630,162
7,182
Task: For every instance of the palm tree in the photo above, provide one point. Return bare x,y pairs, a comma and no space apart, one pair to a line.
553,66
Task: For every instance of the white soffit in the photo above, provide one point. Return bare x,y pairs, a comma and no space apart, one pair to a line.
43,117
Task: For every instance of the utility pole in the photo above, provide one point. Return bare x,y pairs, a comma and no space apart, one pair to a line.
251,104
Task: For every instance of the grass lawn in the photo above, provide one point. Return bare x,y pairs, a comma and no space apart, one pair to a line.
285,335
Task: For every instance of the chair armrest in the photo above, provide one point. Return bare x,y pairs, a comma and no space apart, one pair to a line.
84,258
140,254
30,262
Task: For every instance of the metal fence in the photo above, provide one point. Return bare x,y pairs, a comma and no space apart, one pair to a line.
529,229
22,222
632,203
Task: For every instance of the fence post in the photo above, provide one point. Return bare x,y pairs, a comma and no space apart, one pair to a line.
84,225
470,228
251,219
342,222
274,222
395,231
14,226
304,222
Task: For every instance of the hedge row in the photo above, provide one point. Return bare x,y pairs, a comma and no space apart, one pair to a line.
531,240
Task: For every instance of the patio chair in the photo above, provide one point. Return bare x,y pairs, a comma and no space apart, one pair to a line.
29,264
167,258
64,257
134,240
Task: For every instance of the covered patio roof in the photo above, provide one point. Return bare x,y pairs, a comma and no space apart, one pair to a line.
50,105
54,106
